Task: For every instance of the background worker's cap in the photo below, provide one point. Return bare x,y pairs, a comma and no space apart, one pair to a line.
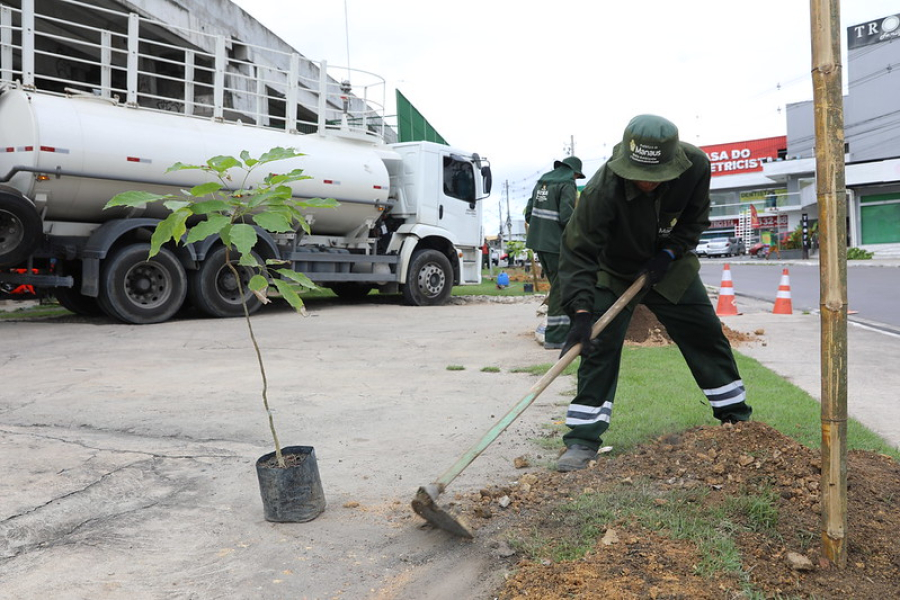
649,151
573,162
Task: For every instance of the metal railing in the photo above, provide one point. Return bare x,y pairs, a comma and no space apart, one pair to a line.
149,64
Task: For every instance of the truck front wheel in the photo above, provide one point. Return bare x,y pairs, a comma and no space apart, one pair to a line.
213,287
429,279
135,289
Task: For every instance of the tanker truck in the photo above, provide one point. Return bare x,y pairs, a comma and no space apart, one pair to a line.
409,215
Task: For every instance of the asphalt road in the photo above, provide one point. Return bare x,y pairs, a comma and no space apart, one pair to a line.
872,286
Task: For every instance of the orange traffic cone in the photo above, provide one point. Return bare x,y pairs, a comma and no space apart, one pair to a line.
783,299
727,305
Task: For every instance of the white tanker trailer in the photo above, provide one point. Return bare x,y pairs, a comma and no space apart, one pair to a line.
409,217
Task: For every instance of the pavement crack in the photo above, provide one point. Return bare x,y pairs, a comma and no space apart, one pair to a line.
82,514
82,443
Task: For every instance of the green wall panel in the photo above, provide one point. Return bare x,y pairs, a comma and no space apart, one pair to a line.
412,126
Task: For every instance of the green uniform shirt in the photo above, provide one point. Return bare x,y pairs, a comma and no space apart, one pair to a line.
549,209
616,229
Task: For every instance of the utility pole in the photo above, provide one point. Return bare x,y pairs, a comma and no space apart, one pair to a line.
508,214
500,232
570,149
832,198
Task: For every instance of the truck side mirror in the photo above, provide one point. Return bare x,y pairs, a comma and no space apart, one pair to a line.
487,178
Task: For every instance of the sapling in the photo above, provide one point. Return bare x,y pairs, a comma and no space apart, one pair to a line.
233,213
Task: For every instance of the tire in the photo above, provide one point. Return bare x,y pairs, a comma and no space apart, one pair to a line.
429,279
351,291
79,304
20,228
71,298
138,290
213,288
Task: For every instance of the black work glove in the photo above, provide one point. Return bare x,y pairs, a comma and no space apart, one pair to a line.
657,266
579,333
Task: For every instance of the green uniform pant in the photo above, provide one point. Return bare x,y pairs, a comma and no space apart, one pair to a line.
557,320
693,325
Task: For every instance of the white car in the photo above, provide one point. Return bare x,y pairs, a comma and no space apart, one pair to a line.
720,247
700,250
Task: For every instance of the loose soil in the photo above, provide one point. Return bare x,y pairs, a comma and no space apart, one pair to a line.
646,330
630,560
636,562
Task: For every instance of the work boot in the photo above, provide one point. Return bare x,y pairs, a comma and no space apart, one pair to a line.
577,457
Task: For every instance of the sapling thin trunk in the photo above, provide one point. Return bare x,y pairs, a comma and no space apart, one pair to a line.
262,369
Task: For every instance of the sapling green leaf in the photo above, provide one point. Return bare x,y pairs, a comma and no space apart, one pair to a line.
220,164
300,278
204,189
272,221
288,292
258,283
249,260
172,227
211,207
243,237
177,204
211,226
136,199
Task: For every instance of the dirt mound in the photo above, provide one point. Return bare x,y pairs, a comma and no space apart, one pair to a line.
646,330
712,466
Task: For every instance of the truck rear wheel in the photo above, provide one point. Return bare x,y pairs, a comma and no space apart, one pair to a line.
213,287
429,279
20,228
138,290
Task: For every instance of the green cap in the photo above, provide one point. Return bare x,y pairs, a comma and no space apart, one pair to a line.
573,162
650,151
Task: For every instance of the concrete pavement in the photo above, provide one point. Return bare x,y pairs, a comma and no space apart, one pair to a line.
792,348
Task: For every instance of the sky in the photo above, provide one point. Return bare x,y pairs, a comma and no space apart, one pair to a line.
521,83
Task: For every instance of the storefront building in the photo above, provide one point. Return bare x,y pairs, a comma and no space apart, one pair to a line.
761,189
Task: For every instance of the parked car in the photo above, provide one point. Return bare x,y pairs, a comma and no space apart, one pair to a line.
722,247
700,250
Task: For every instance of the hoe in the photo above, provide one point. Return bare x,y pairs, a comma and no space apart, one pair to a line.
425,502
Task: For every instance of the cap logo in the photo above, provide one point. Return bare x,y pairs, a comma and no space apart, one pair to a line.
645,154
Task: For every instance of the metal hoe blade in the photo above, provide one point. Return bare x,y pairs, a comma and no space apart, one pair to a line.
425,502
425,505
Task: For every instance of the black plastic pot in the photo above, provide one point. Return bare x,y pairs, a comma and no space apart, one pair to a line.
292,494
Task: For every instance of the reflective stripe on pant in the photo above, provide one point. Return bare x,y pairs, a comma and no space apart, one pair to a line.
693,326
557,320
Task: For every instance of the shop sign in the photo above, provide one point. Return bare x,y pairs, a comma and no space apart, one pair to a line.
873,32
743,157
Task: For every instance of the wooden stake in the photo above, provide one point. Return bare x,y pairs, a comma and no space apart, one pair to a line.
832,199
